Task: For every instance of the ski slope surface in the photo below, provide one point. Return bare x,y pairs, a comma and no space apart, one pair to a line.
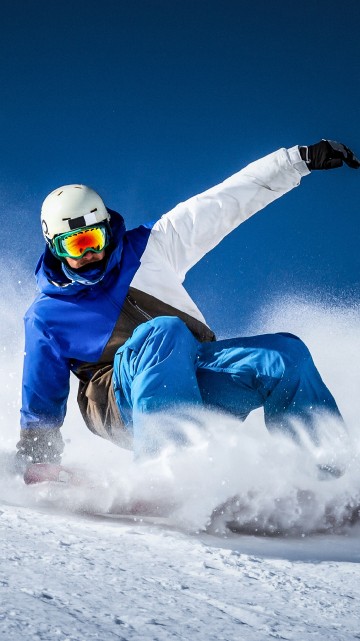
77,564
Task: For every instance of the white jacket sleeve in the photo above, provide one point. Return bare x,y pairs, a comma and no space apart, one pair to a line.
187,232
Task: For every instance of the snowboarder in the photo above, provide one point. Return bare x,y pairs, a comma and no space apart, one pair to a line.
112,309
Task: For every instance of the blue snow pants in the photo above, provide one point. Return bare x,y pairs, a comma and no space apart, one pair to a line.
163,368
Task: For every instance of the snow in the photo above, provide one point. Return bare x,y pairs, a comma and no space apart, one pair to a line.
94,578
76,567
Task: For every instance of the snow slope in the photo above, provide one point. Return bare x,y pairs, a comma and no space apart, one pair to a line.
77,578
73,568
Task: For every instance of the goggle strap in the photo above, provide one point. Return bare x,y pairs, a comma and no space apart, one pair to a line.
85,221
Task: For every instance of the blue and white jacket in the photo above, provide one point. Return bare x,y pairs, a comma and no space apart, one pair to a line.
77,327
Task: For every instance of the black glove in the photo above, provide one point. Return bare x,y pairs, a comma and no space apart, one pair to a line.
328,154
38,445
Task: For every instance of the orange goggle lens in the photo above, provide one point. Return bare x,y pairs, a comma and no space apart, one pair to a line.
76,243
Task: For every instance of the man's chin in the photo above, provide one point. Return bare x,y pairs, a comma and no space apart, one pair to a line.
87,263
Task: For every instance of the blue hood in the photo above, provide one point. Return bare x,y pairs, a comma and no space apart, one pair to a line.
49,274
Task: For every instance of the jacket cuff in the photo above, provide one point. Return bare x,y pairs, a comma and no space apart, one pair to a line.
297,162
40,445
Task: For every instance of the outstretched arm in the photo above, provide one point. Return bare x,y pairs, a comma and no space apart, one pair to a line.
186,233
195,226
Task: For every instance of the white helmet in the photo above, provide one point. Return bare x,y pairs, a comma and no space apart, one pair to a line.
70,207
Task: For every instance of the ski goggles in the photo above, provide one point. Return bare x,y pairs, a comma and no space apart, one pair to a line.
75,244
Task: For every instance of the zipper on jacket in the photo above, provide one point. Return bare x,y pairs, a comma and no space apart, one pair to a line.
134,304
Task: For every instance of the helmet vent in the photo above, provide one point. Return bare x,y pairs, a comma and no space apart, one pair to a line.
91,210
59,194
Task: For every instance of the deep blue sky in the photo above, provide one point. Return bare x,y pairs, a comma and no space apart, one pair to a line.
152,101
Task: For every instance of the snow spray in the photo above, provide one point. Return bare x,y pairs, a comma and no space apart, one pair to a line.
233,476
